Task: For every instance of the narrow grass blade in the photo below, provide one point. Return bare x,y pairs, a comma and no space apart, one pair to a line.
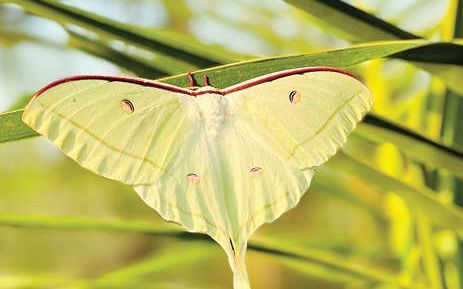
349,21
223,76
168,259
140,66
10,38
186,50
430,259
412,144
11,281
77,223
419,199
44,281
329,261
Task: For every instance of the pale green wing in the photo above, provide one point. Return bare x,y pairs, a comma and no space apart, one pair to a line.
116,128
300,117
305,116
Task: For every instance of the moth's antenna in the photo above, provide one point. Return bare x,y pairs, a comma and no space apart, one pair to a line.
192,80
206,80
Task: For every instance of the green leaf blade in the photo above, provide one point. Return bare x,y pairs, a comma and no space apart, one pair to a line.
13,128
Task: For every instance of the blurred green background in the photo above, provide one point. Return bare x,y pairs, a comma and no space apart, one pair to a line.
383,213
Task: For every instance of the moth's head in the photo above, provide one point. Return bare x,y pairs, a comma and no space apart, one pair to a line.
193,87
208,88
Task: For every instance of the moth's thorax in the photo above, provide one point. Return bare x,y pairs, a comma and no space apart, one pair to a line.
210,110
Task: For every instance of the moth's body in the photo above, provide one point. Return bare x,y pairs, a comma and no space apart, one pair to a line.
210,109
216,161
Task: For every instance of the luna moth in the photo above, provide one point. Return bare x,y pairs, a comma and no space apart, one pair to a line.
216,161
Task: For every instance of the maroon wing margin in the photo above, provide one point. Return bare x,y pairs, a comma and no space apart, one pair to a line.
172,88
